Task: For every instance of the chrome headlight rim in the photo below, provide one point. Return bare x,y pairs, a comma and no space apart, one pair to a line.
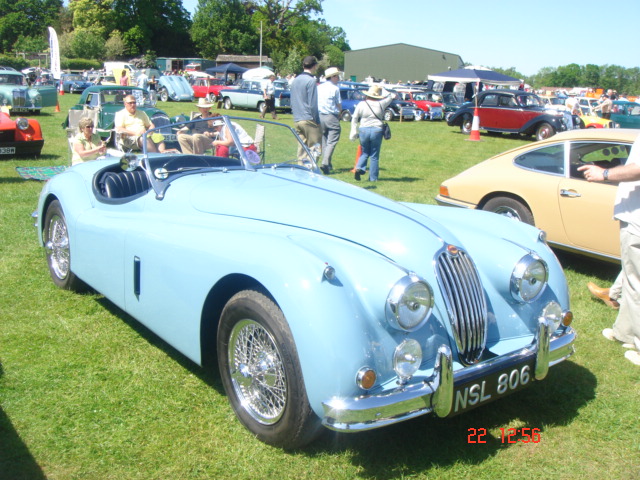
22,123
409,303
529,278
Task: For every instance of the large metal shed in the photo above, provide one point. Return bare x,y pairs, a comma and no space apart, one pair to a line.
398,62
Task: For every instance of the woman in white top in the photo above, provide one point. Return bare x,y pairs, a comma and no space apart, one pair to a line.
224,145
369,113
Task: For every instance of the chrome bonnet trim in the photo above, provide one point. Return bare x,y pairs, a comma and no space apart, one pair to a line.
436,394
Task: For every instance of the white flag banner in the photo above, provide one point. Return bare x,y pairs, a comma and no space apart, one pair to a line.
55,53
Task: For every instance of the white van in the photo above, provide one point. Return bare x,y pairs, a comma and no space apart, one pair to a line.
109,66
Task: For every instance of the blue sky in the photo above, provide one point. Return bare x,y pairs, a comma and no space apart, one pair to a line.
499,33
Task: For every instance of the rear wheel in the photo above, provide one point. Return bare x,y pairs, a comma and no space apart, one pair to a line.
345,116
388,115
164,95
544,131
262,108
56,241
211,98
261,373
511,208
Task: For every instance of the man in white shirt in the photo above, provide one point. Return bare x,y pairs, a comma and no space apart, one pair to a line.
329,107
626,329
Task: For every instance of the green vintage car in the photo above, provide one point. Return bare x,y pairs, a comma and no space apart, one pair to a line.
108,99
626,114
18,97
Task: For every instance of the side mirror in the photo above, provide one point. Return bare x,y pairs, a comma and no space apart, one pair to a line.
129,162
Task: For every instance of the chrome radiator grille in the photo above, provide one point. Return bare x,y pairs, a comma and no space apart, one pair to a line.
464,297
19,98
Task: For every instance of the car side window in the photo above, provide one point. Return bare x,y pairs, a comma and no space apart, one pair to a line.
490,101
93,100
546,160
506,101
603,154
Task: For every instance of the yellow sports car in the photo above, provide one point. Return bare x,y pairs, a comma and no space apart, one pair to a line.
540,184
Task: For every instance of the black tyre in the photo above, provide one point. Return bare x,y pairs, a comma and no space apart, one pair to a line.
511,208
388,115
228,105
56,242
544,131
261,374
164,95
467,124
211,98
262,107
345,116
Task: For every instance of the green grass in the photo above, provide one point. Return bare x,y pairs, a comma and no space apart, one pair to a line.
88,393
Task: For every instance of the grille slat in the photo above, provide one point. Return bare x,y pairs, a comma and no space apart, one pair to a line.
464,297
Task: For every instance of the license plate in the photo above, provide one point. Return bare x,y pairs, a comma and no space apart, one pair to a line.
492,387
7,150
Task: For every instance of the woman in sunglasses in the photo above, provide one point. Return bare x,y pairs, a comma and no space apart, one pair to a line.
87,145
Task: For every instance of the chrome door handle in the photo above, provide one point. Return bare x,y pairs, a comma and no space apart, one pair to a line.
569,193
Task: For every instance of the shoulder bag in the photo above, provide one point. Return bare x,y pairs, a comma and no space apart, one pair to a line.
386,129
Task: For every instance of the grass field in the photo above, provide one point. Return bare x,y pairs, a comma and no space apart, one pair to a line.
88,393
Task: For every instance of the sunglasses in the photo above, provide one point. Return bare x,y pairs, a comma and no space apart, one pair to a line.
130,103
89,126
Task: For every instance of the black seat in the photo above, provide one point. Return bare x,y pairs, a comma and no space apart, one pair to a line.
124,184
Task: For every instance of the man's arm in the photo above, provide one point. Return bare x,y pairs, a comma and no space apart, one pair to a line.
622,173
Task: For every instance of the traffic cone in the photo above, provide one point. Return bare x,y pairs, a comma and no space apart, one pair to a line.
57,110
61,89
475,127
358,153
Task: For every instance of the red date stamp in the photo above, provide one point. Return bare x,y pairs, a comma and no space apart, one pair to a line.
507,435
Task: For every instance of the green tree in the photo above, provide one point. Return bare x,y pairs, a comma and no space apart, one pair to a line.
224,26
30,44
161,25
591,75
115,47
87,44
95,15
28,18
568,76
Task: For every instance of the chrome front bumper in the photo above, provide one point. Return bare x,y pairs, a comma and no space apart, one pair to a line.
435,395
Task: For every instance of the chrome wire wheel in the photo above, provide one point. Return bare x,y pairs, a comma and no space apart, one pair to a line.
57,244
257,372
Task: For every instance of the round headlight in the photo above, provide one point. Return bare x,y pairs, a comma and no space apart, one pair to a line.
407,358
552,313
409,303
529,278
22,123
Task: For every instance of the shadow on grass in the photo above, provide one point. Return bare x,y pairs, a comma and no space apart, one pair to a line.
414,447
16,461
209,375
587,266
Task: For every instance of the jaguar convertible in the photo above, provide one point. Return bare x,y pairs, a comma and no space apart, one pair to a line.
323,304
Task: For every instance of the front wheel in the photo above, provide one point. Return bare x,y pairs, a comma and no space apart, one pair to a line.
467,124
227,103
164,95
511,208
55,236
544,131
388,115
261,373
211,98
345,116
262,108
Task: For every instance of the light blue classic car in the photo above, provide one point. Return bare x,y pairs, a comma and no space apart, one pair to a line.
74,83
170,87
18,97
321,302
250,95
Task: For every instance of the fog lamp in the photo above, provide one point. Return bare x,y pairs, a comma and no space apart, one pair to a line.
553,315
407,359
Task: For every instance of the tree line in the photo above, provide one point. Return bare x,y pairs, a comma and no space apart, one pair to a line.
287,30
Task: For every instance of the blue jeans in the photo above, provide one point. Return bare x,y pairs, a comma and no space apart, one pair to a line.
371,141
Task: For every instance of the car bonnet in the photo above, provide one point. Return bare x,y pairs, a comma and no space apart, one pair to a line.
311,202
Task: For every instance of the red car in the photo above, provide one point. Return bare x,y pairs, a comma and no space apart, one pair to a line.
22,136
432,110
208,88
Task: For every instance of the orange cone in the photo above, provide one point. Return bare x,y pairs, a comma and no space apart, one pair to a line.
358,153
57,110
61,89
475,127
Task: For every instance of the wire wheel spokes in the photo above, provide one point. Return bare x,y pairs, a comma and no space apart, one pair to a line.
58,246
257,372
